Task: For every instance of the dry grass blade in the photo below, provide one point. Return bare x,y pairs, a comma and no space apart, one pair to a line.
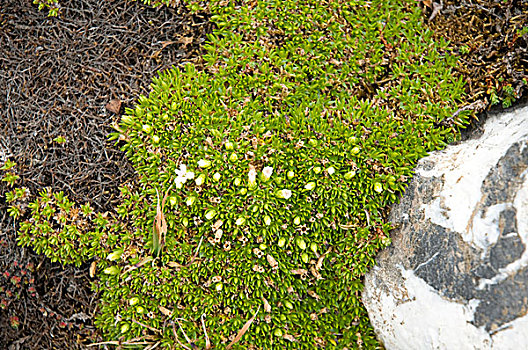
267,306
147,326
165,311
159,227
243,330
207,341
138,265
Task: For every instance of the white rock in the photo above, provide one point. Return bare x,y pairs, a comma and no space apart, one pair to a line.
456,276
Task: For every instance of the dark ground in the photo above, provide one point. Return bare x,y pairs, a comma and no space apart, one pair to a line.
56,77
58,74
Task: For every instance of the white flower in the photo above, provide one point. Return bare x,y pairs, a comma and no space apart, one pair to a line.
266,172
284,193
182,175
330,170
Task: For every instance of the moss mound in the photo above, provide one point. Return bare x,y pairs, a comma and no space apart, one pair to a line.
263,178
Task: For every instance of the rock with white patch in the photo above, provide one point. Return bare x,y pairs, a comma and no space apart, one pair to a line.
456,275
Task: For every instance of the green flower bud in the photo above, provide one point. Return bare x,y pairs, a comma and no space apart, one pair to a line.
288,304
304,258
112,270
133,301
282,242
243,191
301,243
140,309
233,157
146,128
284,194
355,150
210,214
378,187
155,139
267,220
115,255
200,180
317,169
217,177
262,246
297,220
350,175
310,186
173,201
237,181
313,247
352,140
125,327
229,146
240,221
190,200
278,333
219,287
185,222
290,174
204,163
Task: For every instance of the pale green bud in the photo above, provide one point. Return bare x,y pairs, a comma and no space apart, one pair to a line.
112,270
290,174
233,157
267,220
204,163
133,301
330,170
282,242
288,304
240,221
155,139
355,150
378,187
350,175
301,243
243,191
190,201
115,255
304,258
125,327
146,128
317,169
310,186
217,177
219,287
297,220
200,180
173,201
229,146
211,213
313,247
237,181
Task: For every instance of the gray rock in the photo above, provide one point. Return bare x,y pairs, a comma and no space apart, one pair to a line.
456,275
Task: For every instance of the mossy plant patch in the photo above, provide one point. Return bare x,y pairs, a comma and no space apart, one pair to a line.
264,178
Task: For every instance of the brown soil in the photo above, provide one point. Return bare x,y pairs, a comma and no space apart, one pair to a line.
57,75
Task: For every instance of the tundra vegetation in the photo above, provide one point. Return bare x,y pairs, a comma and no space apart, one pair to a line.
264,177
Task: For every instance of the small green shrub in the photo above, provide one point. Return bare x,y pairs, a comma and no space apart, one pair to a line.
275,164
